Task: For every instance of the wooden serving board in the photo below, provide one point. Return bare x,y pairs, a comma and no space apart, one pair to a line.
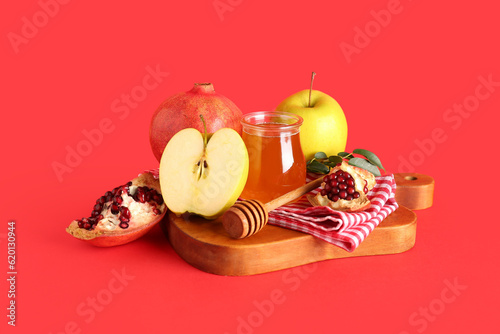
206,245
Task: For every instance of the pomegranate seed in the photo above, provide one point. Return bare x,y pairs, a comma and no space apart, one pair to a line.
347,175
139,194
147,196
343,194
100,217
355,195
339,172
95,213
80,224
118,191
334,183
159,200
349,198
350,182
125,212
156,211
323,192
124,219
98,207
335,191
339,164
115,209
340,179
342,186
118,200
350,190
124,225
335,198
87,226
366,188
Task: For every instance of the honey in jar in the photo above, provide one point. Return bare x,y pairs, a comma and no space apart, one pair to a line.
276,160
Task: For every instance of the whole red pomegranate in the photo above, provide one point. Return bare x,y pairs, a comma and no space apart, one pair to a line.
183,110
123,214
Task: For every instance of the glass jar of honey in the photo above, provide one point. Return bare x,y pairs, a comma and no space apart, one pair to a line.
277,163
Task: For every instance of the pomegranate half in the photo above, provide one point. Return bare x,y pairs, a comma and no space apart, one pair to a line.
183,110
345,189
123,214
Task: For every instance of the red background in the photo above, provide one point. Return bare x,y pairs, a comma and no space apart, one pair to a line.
63,78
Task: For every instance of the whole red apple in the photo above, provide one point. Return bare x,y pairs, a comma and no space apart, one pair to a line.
183,110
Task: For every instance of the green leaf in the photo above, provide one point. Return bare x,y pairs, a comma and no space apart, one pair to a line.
345,155
335,159
370,156
318,167
365,164
320,155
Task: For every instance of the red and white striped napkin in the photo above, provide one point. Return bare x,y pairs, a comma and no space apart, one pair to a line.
344,229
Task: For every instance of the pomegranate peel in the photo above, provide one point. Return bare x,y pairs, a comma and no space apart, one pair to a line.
182,110
344,189
123,214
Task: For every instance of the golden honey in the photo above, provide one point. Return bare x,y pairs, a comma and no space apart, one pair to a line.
276,160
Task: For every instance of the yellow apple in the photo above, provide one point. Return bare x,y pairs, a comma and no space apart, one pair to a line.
203,176
324,128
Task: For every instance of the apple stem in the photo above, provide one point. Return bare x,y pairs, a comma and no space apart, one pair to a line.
311,88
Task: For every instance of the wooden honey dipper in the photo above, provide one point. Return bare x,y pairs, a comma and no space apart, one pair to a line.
245,218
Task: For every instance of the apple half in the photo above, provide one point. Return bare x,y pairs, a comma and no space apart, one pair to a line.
202,175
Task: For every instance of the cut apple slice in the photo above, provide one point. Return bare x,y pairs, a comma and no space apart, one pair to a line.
203,176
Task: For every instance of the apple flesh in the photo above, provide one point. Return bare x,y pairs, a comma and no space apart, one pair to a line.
182,111
203,178
324,128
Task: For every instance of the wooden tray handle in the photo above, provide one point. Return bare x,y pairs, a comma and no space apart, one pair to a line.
414,191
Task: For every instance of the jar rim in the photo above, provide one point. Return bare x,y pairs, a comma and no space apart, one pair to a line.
263,118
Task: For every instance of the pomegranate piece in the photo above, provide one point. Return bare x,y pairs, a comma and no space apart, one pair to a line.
123,214
345,189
